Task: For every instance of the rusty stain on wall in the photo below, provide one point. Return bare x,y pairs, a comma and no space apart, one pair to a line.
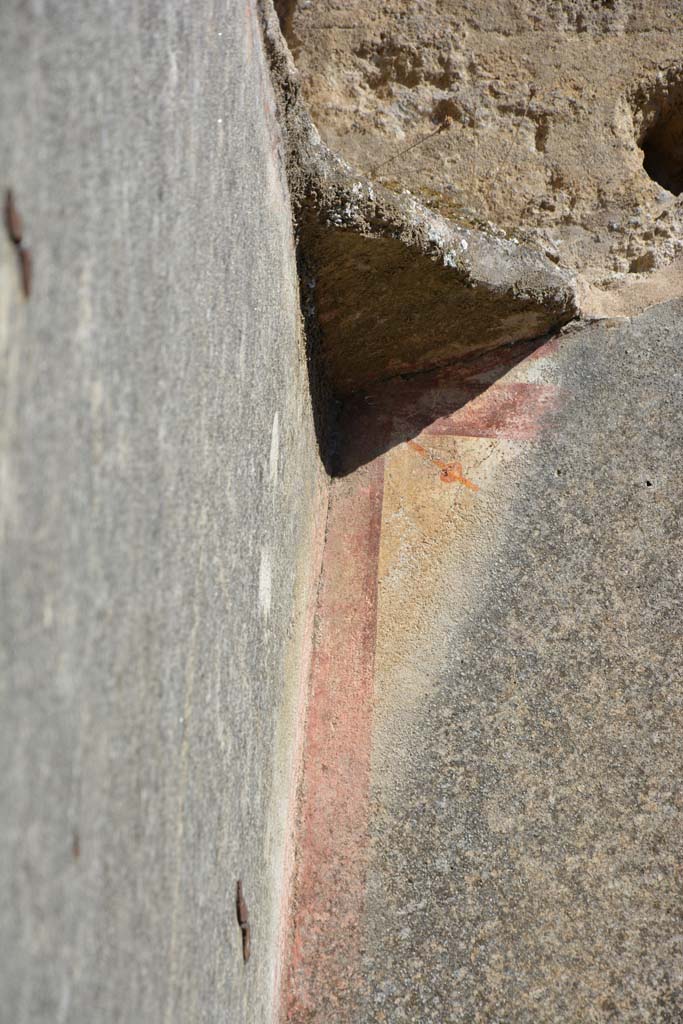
451,472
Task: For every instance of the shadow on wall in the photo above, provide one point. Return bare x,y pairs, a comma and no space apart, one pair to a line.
285,12
463,398
658,110
460,397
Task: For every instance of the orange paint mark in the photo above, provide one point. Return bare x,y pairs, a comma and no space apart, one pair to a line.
451,472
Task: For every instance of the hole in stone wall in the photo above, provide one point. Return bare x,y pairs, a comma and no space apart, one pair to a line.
285,10
661,132
663,149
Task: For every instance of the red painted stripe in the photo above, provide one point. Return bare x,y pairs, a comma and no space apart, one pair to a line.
514,411
315,561
332,846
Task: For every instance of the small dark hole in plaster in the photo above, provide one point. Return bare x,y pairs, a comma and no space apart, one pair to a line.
450,107
541,138
285,11
662,147
648,483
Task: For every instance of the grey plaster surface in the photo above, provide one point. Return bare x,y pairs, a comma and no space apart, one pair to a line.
528,827
158,475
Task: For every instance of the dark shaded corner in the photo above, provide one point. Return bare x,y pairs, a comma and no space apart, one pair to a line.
285,13
352,430
373,421
324,403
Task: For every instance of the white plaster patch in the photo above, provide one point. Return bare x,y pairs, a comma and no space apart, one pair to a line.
265,582
274,448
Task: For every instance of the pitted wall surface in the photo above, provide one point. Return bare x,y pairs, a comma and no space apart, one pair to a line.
554,121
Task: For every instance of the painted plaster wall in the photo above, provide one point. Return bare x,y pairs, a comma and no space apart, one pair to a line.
491,811
159,481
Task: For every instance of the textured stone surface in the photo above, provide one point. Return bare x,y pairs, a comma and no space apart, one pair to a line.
550,101
393,286
159,475
386,306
